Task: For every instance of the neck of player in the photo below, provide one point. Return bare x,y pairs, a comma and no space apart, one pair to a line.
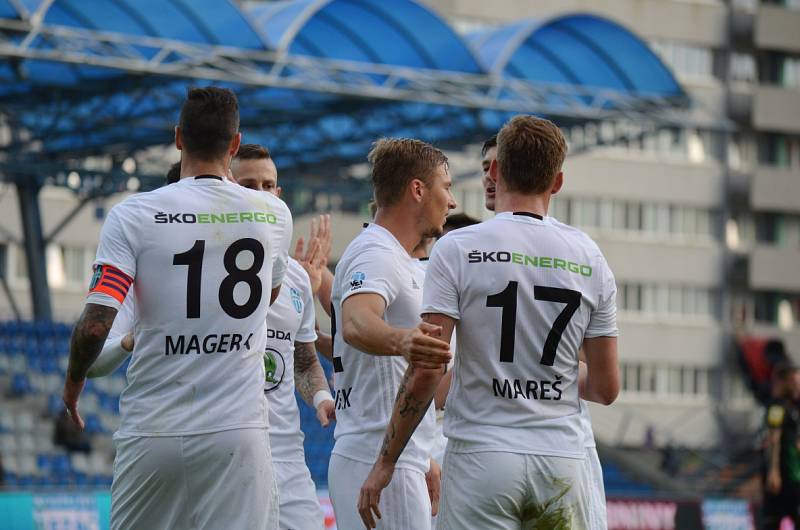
403,226
192,168
505,201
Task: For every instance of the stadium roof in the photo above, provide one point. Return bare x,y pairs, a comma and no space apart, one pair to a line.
318,79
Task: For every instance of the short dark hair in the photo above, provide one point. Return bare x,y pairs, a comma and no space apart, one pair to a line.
488,144
459,220
209,121
530,152
396,162
252,152
174,173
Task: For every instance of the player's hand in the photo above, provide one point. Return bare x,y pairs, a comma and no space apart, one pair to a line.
774,482
127,342
433,478
325,237
421,348
370,495
326,412
311,260
72,392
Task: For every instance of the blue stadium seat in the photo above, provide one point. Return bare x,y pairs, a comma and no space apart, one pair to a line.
20,385
93,425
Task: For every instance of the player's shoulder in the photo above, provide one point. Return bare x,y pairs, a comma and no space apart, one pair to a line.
576,235
372,241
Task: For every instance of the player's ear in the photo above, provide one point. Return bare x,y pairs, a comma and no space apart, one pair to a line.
557,183
235,143
417,189
278,191
178,138
493,170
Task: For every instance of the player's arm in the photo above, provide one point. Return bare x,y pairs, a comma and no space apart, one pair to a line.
601,381
311,383
114,273
87,340
280,259
775,416
440,397
364,328
414,396
324,344
115,351
324,293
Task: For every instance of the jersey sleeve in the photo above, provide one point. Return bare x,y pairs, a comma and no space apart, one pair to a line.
373,271
440,293
307,331
603,320
280,260
115,264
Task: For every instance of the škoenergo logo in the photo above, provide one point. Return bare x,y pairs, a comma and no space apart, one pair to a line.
212,218
545,262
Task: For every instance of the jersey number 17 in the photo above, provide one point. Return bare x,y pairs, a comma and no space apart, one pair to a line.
507,300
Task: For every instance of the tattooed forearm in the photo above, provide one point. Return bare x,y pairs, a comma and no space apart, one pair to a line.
309,377
413,401
88,337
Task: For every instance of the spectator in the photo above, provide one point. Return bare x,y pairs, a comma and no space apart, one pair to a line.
782,457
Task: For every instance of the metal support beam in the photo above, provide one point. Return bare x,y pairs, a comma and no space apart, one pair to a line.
63,223
28,195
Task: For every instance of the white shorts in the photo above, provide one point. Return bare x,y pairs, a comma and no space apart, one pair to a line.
405,504
297,494
510,491
218,480
595,492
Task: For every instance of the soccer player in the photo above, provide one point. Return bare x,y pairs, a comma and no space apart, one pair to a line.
292,362
201,255
377,295
526,292
592,477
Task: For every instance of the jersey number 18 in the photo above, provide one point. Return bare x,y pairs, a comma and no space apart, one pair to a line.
193,258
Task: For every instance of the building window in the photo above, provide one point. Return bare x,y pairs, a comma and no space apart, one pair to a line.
20,264
686,59
743,68
673,301
774,150
76,265
659,380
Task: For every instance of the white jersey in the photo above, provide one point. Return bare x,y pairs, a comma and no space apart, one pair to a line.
526,291
290,319
366,385
123,321
203,255
586,426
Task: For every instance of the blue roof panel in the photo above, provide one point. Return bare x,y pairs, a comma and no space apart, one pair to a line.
7,10
402,33
584,50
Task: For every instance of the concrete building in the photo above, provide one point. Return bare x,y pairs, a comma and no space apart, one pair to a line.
701,228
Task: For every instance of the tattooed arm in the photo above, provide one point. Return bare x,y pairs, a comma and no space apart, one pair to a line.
87,340
310,381
413,399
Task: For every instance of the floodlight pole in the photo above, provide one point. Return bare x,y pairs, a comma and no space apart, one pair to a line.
30,214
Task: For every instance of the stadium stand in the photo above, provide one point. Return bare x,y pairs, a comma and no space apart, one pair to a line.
33,361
